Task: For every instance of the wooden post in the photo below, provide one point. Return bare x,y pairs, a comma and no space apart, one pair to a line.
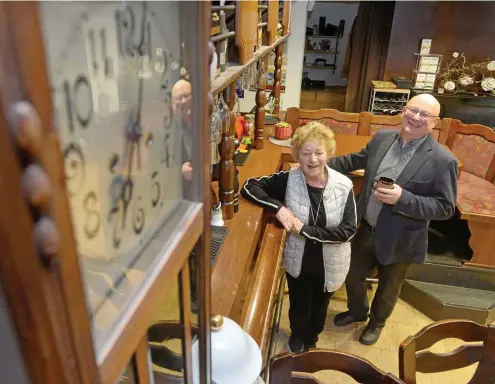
231,103
259,117
279,51
246,20
286,17
227,169
271,28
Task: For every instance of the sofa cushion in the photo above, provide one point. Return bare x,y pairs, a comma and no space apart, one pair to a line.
475,195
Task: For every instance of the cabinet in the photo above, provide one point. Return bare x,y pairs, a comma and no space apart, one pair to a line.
329,98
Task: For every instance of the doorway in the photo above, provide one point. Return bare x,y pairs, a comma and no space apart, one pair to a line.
326,54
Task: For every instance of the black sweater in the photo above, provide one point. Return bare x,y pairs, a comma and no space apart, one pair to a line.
269,191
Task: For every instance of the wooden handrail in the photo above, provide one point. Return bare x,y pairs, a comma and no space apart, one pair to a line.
233,72
259,307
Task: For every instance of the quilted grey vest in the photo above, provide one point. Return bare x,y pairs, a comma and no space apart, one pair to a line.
336,256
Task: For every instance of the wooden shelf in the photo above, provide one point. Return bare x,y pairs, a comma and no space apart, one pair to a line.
233,72
331,66
331,51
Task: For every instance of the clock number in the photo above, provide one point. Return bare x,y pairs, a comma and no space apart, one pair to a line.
115,195
72,95
92,224
138,217
92,45
126,197
74,167
107,60
167,120
116,240
125,30
108,66
166,154
126,34
155,185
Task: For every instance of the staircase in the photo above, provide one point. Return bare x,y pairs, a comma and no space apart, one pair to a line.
444,291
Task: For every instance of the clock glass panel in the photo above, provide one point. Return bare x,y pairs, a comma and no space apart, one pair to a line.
123,110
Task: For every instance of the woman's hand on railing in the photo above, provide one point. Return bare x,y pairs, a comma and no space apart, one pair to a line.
286,218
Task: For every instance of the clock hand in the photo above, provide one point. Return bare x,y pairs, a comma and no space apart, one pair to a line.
134,135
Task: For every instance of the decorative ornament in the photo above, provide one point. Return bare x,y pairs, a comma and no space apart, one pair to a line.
460,72
449,85
466,80
488,84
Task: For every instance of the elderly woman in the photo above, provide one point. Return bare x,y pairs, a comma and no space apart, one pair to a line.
316,205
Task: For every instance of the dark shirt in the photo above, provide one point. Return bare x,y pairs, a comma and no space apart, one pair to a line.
269,191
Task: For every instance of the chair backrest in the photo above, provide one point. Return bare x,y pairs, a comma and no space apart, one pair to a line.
474,145
371,124
415,357
292,117
284,368
441,130
338,122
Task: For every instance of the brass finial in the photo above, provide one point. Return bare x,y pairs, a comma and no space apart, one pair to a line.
216,322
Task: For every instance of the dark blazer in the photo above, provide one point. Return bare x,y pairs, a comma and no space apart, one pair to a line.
429,183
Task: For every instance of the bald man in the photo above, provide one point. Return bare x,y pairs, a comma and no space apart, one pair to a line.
393,230
182,107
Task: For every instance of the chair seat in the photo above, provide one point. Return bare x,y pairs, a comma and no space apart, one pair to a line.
475,195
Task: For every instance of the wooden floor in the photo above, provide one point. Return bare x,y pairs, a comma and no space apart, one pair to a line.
405,321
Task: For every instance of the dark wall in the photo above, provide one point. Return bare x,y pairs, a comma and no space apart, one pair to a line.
464,26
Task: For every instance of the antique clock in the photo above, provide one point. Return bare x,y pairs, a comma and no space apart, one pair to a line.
111,68
104,119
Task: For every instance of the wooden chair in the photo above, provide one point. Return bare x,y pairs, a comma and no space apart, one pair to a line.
474,146
338,122
371,124
286,368
441,130
414,356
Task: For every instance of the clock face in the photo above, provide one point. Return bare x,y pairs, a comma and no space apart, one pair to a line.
112,67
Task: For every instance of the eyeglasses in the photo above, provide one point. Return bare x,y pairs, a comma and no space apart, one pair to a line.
423,115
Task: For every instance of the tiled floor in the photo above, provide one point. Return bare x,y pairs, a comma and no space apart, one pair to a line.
405,321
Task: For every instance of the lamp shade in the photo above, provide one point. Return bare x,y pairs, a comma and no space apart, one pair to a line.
235,356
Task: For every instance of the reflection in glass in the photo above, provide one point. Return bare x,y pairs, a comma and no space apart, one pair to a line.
123,115
165,338
128,376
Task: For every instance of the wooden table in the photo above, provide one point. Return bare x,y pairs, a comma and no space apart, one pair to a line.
236,254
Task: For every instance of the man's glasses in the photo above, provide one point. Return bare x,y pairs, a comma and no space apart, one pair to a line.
423,115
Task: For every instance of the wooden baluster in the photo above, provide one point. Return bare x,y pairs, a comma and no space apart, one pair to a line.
227,170
232,94
231,103
286,17
259,116
279,51
271,28
246,20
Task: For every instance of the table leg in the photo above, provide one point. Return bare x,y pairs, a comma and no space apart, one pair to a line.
482,242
